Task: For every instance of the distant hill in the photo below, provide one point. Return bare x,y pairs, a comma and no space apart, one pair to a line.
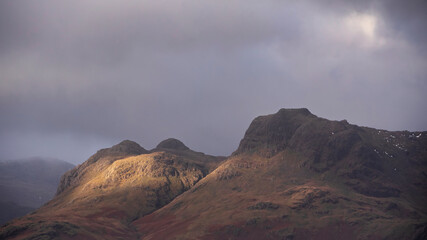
10,210
26,184
293,176
124,182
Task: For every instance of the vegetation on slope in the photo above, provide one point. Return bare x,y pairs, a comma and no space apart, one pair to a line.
297,176
294,176
99,198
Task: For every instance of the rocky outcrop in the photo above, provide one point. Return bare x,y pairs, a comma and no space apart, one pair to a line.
124,148
114,187
172,143
118,151
293,176
298,176
268,135
264,206
301,131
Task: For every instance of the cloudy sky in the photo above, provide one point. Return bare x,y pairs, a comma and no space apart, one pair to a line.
76,76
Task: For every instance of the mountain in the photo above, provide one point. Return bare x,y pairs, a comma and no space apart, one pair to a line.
293,176
11,210
114,187
26,184
298,176
172,143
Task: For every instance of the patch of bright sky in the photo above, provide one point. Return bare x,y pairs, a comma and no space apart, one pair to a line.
362,29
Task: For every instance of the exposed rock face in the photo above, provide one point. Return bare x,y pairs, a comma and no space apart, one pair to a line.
126,146
118,151
264,205
114,187
363,157
301,131
172,143
270,134
298,176
293,176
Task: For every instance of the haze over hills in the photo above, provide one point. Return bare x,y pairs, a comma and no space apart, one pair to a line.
293,176
26,184
114,187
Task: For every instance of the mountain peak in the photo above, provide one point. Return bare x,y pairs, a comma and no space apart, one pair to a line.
123,149
128,146
172,143
302,111
294,176
273,131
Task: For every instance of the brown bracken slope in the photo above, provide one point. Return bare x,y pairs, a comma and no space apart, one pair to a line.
293,176
101,197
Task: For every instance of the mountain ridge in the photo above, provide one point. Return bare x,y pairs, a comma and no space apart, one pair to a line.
342,177
172,143
120,150
293,176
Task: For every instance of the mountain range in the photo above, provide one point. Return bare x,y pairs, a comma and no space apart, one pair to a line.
293,176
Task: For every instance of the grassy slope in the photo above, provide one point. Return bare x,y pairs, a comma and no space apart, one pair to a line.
271,199
296,176
111,194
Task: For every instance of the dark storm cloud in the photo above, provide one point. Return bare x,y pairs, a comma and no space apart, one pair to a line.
81,75
409,18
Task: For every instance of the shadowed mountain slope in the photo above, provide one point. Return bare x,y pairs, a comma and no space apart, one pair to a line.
297,176
26,184
172,143
293,176
11,210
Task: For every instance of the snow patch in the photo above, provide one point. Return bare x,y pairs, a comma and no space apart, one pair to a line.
389,155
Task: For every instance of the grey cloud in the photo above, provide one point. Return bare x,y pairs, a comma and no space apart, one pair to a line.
103,71
410,18
403,18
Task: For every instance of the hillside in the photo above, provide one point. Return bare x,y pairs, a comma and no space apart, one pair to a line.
26,184
293,176
111,189
11,210
297,176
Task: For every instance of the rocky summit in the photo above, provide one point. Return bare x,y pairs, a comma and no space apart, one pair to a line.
293,176
172,143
